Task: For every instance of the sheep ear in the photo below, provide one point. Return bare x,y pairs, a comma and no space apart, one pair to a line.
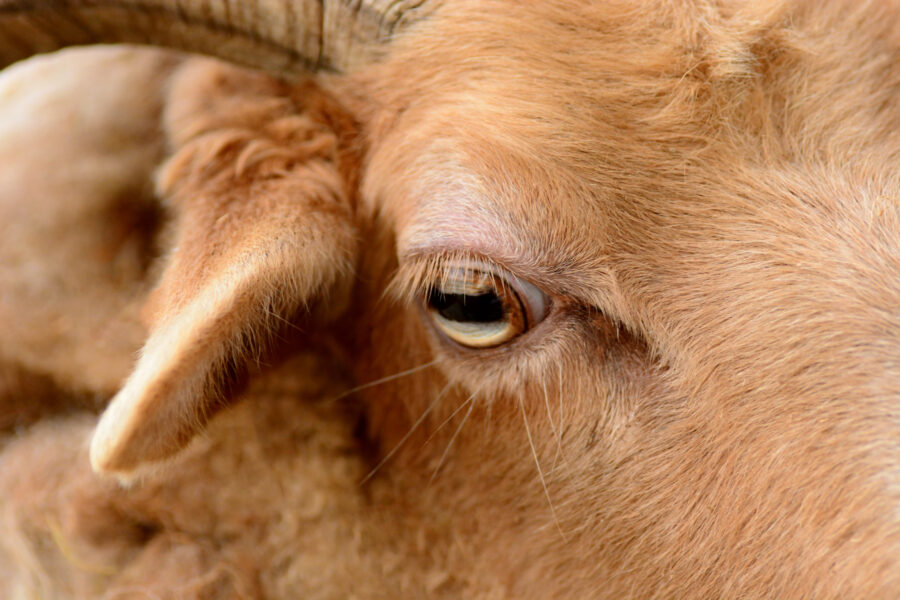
226,292
255,244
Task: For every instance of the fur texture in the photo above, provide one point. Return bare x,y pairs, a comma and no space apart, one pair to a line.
708,193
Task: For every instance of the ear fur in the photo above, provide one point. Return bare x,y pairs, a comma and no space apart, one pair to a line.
260,190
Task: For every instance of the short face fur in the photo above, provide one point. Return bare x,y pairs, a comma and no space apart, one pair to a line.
712,400
709,199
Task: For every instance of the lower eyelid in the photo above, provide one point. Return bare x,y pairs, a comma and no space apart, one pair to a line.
476,336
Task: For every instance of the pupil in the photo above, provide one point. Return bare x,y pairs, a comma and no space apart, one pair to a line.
483,308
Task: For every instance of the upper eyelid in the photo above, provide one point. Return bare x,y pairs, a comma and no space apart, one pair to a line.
421,269
418,273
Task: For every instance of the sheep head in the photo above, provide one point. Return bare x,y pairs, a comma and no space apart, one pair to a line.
653,248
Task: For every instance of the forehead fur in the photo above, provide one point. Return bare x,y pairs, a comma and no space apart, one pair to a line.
576,104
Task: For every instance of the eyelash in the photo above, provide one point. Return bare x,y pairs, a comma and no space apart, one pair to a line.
419,275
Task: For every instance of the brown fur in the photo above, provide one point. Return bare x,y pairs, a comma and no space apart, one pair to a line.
709,193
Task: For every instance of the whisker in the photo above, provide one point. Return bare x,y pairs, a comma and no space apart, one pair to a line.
409,433
386,379
471,403
559,394
556,433
275,333
448,419
485,434
274,314
540,472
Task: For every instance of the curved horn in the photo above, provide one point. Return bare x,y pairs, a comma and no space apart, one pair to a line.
279,36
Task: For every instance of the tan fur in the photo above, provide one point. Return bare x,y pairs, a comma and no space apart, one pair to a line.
708,192
264,229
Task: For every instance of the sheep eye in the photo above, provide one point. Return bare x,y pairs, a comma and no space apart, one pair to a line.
478,309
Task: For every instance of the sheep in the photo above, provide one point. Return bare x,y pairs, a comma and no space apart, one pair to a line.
466,299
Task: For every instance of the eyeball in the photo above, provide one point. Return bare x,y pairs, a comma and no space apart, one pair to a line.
478,308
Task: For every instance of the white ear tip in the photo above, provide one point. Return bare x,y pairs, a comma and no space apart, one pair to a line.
100,462
107,441
103,460
129,435
143,422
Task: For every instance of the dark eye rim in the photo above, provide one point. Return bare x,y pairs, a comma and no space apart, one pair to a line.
524,298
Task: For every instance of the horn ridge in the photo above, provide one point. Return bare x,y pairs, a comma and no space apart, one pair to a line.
283,37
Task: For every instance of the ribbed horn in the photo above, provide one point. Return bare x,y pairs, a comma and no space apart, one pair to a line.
280,36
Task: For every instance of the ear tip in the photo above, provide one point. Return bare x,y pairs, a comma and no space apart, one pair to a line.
138,432
105,469
118,446
136,429
106,457
110,457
